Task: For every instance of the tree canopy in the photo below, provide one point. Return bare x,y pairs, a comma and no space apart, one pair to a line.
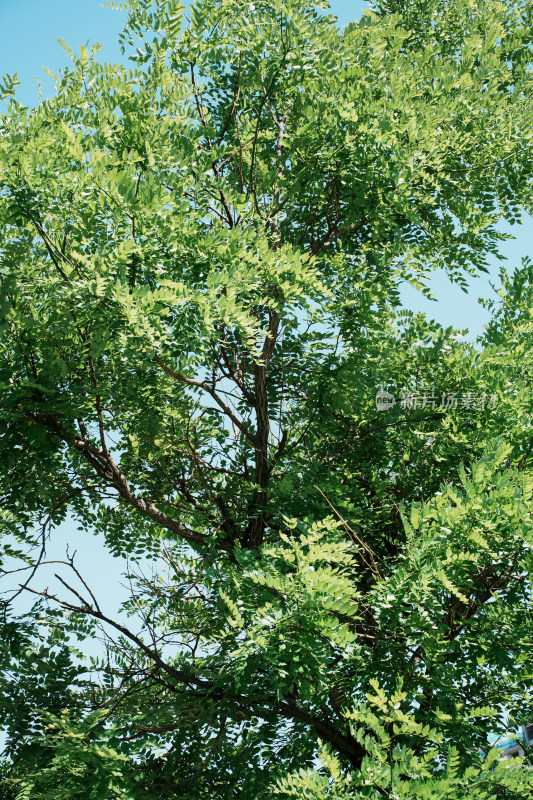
201,256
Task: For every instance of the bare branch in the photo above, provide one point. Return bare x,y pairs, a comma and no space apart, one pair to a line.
211,391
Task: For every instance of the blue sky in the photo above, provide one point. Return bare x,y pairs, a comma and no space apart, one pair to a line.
30,31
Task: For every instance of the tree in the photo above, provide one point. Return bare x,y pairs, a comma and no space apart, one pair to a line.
200,260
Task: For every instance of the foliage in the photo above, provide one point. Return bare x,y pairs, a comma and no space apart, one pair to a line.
201,256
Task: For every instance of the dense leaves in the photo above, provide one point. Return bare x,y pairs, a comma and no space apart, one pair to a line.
200,259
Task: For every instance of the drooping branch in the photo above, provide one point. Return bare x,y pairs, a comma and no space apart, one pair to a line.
106,468
264,707
88,610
